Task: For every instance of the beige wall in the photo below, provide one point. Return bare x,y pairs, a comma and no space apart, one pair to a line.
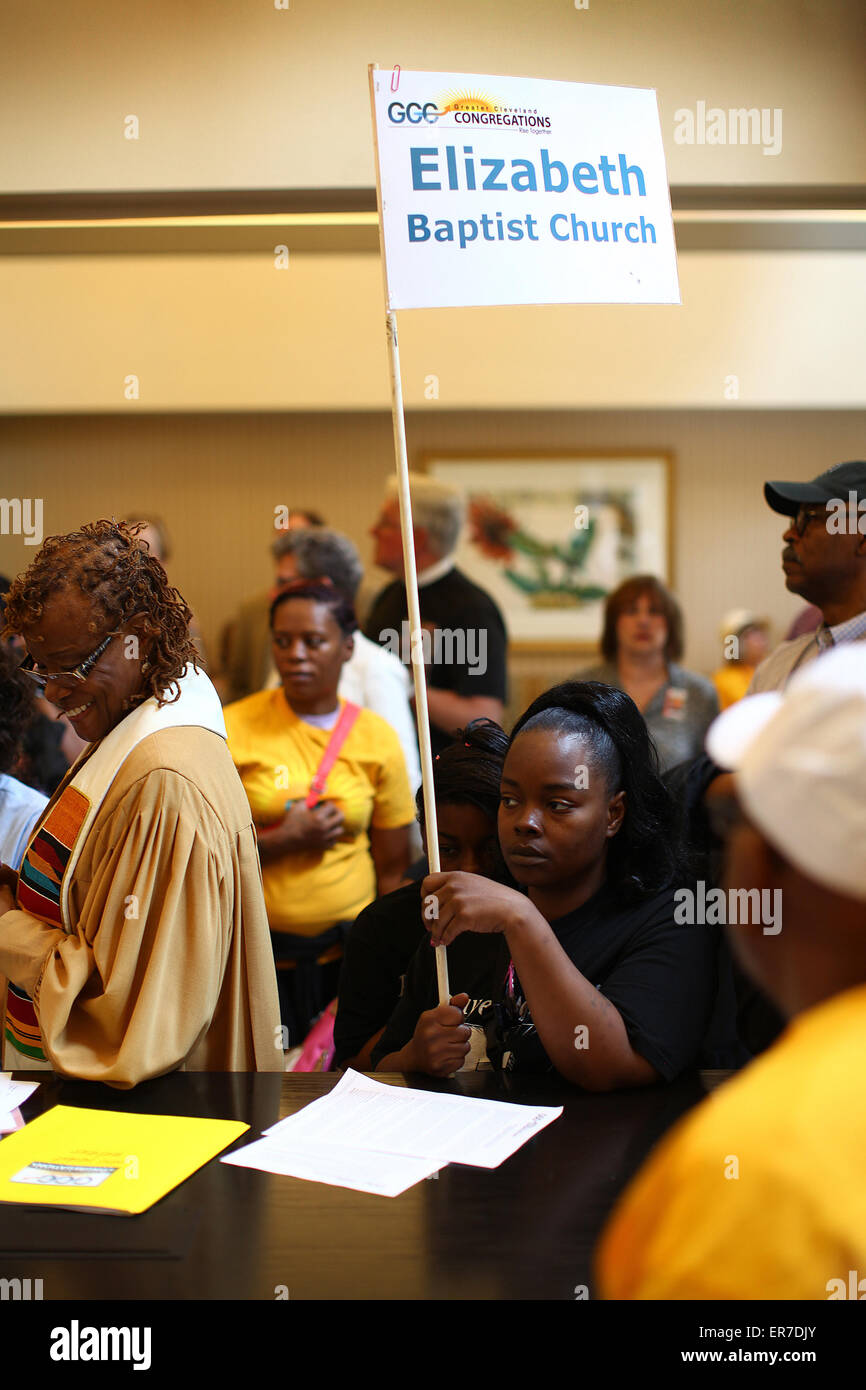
288,369
231,332
217,480
242,95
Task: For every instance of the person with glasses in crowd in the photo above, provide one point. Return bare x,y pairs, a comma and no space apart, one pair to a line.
133,938
824,560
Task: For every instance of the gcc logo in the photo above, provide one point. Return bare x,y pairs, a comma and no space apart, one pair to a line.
413,112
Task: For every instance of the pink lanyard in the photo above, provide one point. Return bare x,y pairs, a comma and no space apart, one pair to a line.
348,714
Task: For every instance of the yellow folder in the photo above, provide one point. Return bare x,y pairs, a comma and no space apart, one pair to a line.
104,1160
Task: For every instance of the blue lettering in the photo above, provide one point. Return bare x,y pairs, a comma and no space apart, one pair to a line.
546,166
624,170
523,180
419,168
495,166
606,168
451,161
557,216
418,224
583,173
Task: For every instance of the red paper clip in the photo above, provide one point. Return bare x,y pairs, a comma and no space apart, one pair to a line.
395,73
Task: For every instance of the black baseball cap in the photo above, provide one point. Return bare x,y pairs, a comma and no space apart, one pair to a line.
836,483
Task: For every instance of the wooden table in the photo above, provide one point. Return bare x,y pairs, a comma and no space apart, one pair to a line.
524,1230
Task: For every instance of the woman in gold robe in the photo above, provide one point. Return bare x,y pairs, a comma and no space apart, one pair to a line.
134,939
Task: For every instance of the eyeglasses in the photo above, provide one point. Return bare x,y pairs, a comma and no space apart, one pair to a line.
77,676
804,516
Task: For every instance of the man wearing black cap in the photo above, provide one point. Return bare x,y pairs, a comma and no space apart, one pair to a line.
824,560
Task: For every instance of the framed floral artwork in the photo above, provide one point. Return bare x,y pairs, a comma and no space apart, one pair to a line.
550,537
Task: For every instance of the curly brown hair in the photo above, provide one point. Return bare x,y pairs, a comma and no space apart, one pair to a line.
106,562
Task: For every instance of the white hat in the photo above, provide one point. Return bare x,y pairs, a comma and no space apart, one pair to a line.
800,760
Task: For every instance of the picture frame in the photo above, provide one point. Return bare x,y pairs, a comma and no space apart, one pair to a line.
549,535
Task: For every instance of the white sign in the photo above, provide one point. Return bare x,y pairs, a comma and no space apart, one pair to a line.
512,190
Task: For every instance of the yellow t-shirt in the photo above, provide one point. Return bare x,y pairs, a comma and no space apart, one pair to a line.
276,755
759,1193
732,681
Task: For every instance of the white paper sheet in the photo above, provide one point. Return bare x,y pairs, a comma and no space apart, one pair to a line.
14,1093
364,1114
386,1175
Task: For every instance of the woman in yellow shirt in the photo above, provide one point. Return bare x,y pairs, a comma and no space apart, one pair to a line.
745,642
323,859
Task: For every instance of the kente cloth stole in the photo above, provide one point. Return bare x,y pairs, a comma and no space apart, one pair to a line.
40,878
46,870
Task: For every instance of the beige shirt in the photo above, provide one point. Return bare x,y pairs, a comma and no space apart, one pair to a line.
168,964
777,669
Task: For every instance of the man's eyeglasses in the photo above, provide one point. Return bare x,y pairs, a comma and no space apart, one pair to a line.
77,676
804,516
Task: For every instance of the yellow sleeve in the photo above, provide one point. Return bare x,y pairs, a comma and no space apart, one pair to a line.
133,988
393,803
653,1246
710,1218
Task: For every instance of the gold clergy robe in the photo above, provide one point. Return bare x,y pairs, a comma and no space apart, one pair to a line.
168,964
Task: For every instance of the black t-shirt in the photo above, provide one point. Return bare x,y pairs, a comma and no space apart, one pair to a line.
468,643
662,977
758,1021
381,942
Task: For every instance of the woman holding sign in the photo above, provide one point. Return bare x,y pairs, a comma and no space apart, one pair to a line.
585,971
